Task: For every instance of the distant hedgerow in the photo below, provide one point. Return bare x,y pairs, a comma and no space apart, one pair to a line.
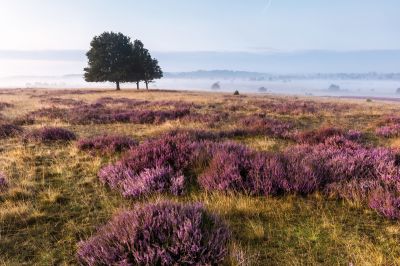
106,144
50,134
158,234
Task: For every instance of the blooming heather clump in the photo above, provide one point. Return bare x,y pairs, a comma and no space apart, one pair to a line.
354,135
106,144
171,150
388,131
298,107
158,234
50,134
4,105
121,101
386,203
3,182
63,101
9,130
322,134
228,168
267,126
150,181
235,168
99,113
319,135
154,166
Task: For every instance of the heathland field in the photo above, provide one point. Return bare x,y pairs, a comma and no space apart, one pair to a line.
222,179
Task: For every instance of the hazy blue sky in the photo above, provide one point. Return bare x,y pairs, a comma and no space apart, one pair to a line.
204,25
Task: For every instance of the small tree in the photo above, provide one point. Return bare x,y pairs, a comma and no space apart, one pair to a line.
152,70
143,66
137,68
109,58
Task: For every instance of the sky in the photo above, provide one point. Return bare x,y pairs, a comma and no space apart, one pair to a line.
204,25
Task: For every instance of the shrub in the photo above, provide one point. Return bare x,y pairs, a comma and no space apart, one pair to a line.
158,234
228,168
63,101
337,166
235,168
236,93
4,105
150,181
100,114
299,107
122,101
50,134
106,144
319,135
3,182
174,150
388,131
257,124
386,203
154,166
9,130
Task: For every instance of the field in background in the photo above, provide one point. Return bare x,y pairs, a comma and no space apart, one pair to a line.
55,199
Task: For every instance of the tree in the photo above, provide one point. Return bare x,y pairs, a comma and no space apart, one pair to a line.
152,70
143,66
139,54
109,58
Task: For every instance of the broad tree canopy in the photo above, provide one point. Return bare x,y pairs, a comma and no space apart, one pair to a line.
112,57
109,58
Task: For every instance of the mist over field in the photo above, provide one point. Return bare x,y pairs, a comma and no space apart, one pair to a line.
357,73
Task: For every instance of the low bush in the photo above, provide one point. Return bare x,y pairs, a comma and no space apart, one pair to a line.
235,168
258,124
63,101
158,234
3,182
100,114
4,105
50,134
299,107
338,167
388,131
320,135
9,130
154,166
386,202
106,144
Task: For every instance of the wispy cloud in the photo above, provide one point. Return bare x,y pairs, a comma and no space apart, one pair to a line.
267,6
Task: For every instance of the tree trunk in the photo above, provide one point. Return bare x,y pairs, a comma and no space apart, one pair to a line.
147,85
137,85
118,88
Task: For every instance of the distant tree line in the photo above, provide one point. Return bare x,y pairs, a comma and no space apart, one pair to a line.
114,58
